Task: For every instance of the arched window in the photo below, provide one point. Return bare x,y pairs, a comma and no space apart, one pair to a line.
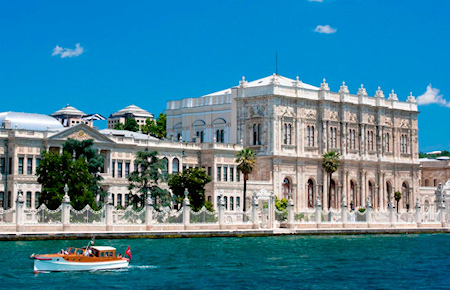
427,182
175,166
389,191
2,199
333,143
255,135
36,199
310,193
353,198
165,168
28,199
286,188
219,125
371,194
310,136
259,134
434,182
370,140
387,143
199,126
285,134
226,202
231,203
405,195
333,194
351,139
119,199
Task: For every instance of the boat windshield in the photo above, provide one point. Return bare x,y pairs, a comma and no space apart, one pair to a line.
71,251
80,251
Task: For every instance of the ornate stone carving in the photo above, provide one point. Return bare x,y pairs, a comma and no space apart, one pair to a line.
404,124
393,96
352,117
344,89
411,98
324,86
80,135
334,116
362,91
310,114
371,119
297,82
379,93
274,80
243,83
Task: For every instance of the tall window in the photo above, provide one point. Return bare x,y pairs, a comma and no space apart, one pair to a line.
351,139
219,173
175,166
113,171
36,199
389,191
20,165
2,165
405,194
119,169
238,202
256,134
2,199
231,173
29,165
119,199
370,140
404,143
287,134
310,193
165,168
333,143
231,203
371,194
38,161
226,202
333,194
352,193
225,173
259,134
386,141
200,135
28,199
127,169
220,136
286,188
310,136
127,201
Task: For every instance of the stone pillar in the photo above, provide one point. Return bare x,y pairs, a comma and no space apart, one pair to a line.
108,212
65,208
318,212
19,211
148,213
417,216
441,213
391,208
222,211
344,213
369,210
255,217
290,213
186,208
271,210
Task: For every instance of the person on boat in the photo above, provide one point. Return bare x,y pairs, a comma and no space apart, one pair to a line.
119,255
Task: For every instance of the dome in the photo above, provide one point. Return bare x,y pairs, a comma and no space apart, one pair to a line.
132,110
70,111
29,121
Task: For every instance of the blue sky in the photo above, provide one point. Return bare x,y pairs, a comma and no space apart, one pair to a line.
148,52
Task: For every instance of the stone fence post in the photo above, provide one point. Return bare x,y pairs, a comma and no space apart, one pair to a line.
271,210
442,213
417,215
318,212
65,209
19,211
255,217
369,211
108,212
290,212
221,207
148,213
186,209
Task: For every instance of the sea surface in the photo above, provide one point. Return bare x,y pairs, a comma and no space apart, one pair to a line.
418,261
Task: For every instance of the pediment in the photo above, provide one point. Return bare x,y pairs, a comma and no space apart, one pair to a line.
81,132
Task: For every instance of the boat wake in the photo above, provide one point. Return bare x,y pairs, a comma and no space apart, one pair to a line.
142,267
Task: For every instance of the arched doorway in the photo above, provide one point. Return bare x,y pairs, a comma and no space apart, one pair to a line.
405,195
389,191
333,194
310,190
286,188
353,196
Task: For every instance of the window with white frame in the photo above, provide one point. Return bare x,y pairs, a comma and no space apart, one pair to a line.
310,136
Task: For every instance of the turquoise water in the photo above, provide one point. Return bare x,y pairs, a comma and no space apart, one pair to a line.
286,262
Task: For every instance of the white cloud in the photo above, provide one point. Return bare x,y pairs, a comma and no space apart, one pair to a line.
68,52
327,29
432,96
315,0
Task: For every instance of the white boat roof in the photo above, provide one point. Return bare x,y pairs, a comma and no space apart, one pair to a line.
103,248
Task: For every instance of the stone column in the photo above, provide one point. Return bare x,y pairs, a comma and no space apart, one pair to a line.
369,210
255,218
417,216
65,208
441,213
222,211
290,213
186,208
391,212
344,212
19,212
271,210
108,212
318,212
148,213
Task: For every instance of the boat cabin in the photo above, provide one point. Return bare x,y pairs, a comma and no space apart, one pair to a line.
97,251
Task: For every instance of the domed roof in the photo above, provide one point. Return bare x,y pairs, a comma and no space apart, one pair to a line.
29,121
134,110
69,110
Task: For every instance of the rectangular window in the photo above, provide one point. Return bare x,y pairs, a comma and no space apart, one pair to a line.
238,176
28,199
119,199
38,161
29,165
20,169
126,200
119,169
231,203
127,169
225,173
238,202
113,169
2,165
2,198
231,174
36,200
219,173
10,165
210,171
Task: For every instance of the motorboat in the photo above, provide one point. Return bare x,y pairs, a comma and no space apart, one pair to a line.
89,258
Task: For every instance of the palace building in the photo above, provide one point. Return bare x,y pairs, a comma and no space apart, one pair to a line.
288,123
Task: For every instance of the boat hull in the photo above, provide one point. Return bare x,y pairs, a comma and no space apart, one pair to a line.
58,264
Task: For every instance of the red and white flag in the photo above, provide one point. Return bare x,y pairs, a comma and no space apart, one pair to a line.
128,252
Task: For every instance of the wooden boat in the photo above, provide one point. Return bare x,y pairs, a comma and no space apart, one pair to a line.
81,259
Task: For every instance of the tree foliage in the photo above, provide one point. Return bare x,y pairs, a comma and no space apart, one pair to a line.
330,164
194,179
130,125
397,197
246,159
78,167
146,179
156,128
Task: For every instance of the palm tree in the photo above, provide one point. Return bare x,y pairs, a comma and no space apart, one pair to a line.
397,197
246,159
331,164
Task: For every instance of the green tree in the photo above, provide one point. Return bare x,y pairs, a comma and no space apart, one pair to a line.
281,204
130,125
55,171
247,160
330,164
397,197
155,128
145,180
194,179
